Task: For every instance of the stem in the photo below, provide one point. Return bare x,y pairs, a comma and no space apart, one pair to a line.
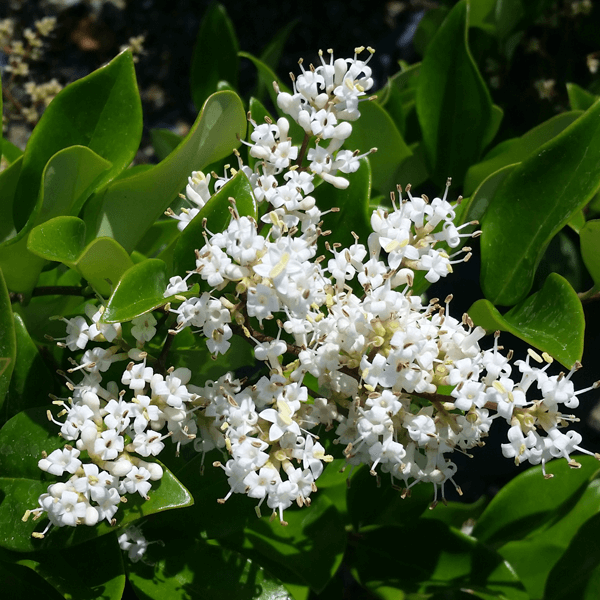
302,152
592,295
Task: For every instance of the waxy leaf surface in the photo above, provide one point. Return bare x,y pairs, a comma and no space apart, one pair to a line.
94,111
551,320
534,202
455,117
128,207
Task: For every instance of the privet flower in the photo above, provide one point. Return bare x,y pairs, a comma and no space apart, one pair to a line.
350,349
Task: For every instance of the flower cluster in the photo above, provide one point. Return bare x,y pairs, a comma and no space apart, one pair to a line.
341,342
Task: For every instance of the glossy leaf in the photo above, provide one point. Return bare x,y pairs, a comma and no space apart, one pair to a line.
578,567
216,212
580,99
164,142
62,239
529,502
453,103
82,579
272,54
128,207
354,214
68,179
140,290
375,129
94,111
426,557
533,203
590,249
16,263
159,238
215,56
311,546
478,203
10,152
267,76
31,380
196,569
102,263
8,340
516,150
22,441
533,558
551,320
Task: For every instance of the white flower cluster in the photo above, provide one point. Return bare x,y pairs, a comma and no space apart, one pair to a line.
118,435
344,344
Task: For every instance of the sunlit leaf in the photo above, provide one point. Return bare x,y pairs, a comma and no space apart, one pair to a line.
529,502
551,320
94,111
533,203
141,289
127,208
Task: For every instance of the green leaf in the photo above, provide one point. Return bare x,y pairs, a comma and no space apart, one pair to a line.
8,340
453,103
590,248
10,152
373,504
31,380
478,203
578,567
534,558
580,99
354,214
140,290
456,514
216,212
22,584
311,546
190,352
81,578
551,320
272,54
215,55
516,150
428,27
375,129
68,179
159,238
164,142
22,441
128,207
428,556
196,569
62,239
390,98
533,203
529,501
94,111
267,76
